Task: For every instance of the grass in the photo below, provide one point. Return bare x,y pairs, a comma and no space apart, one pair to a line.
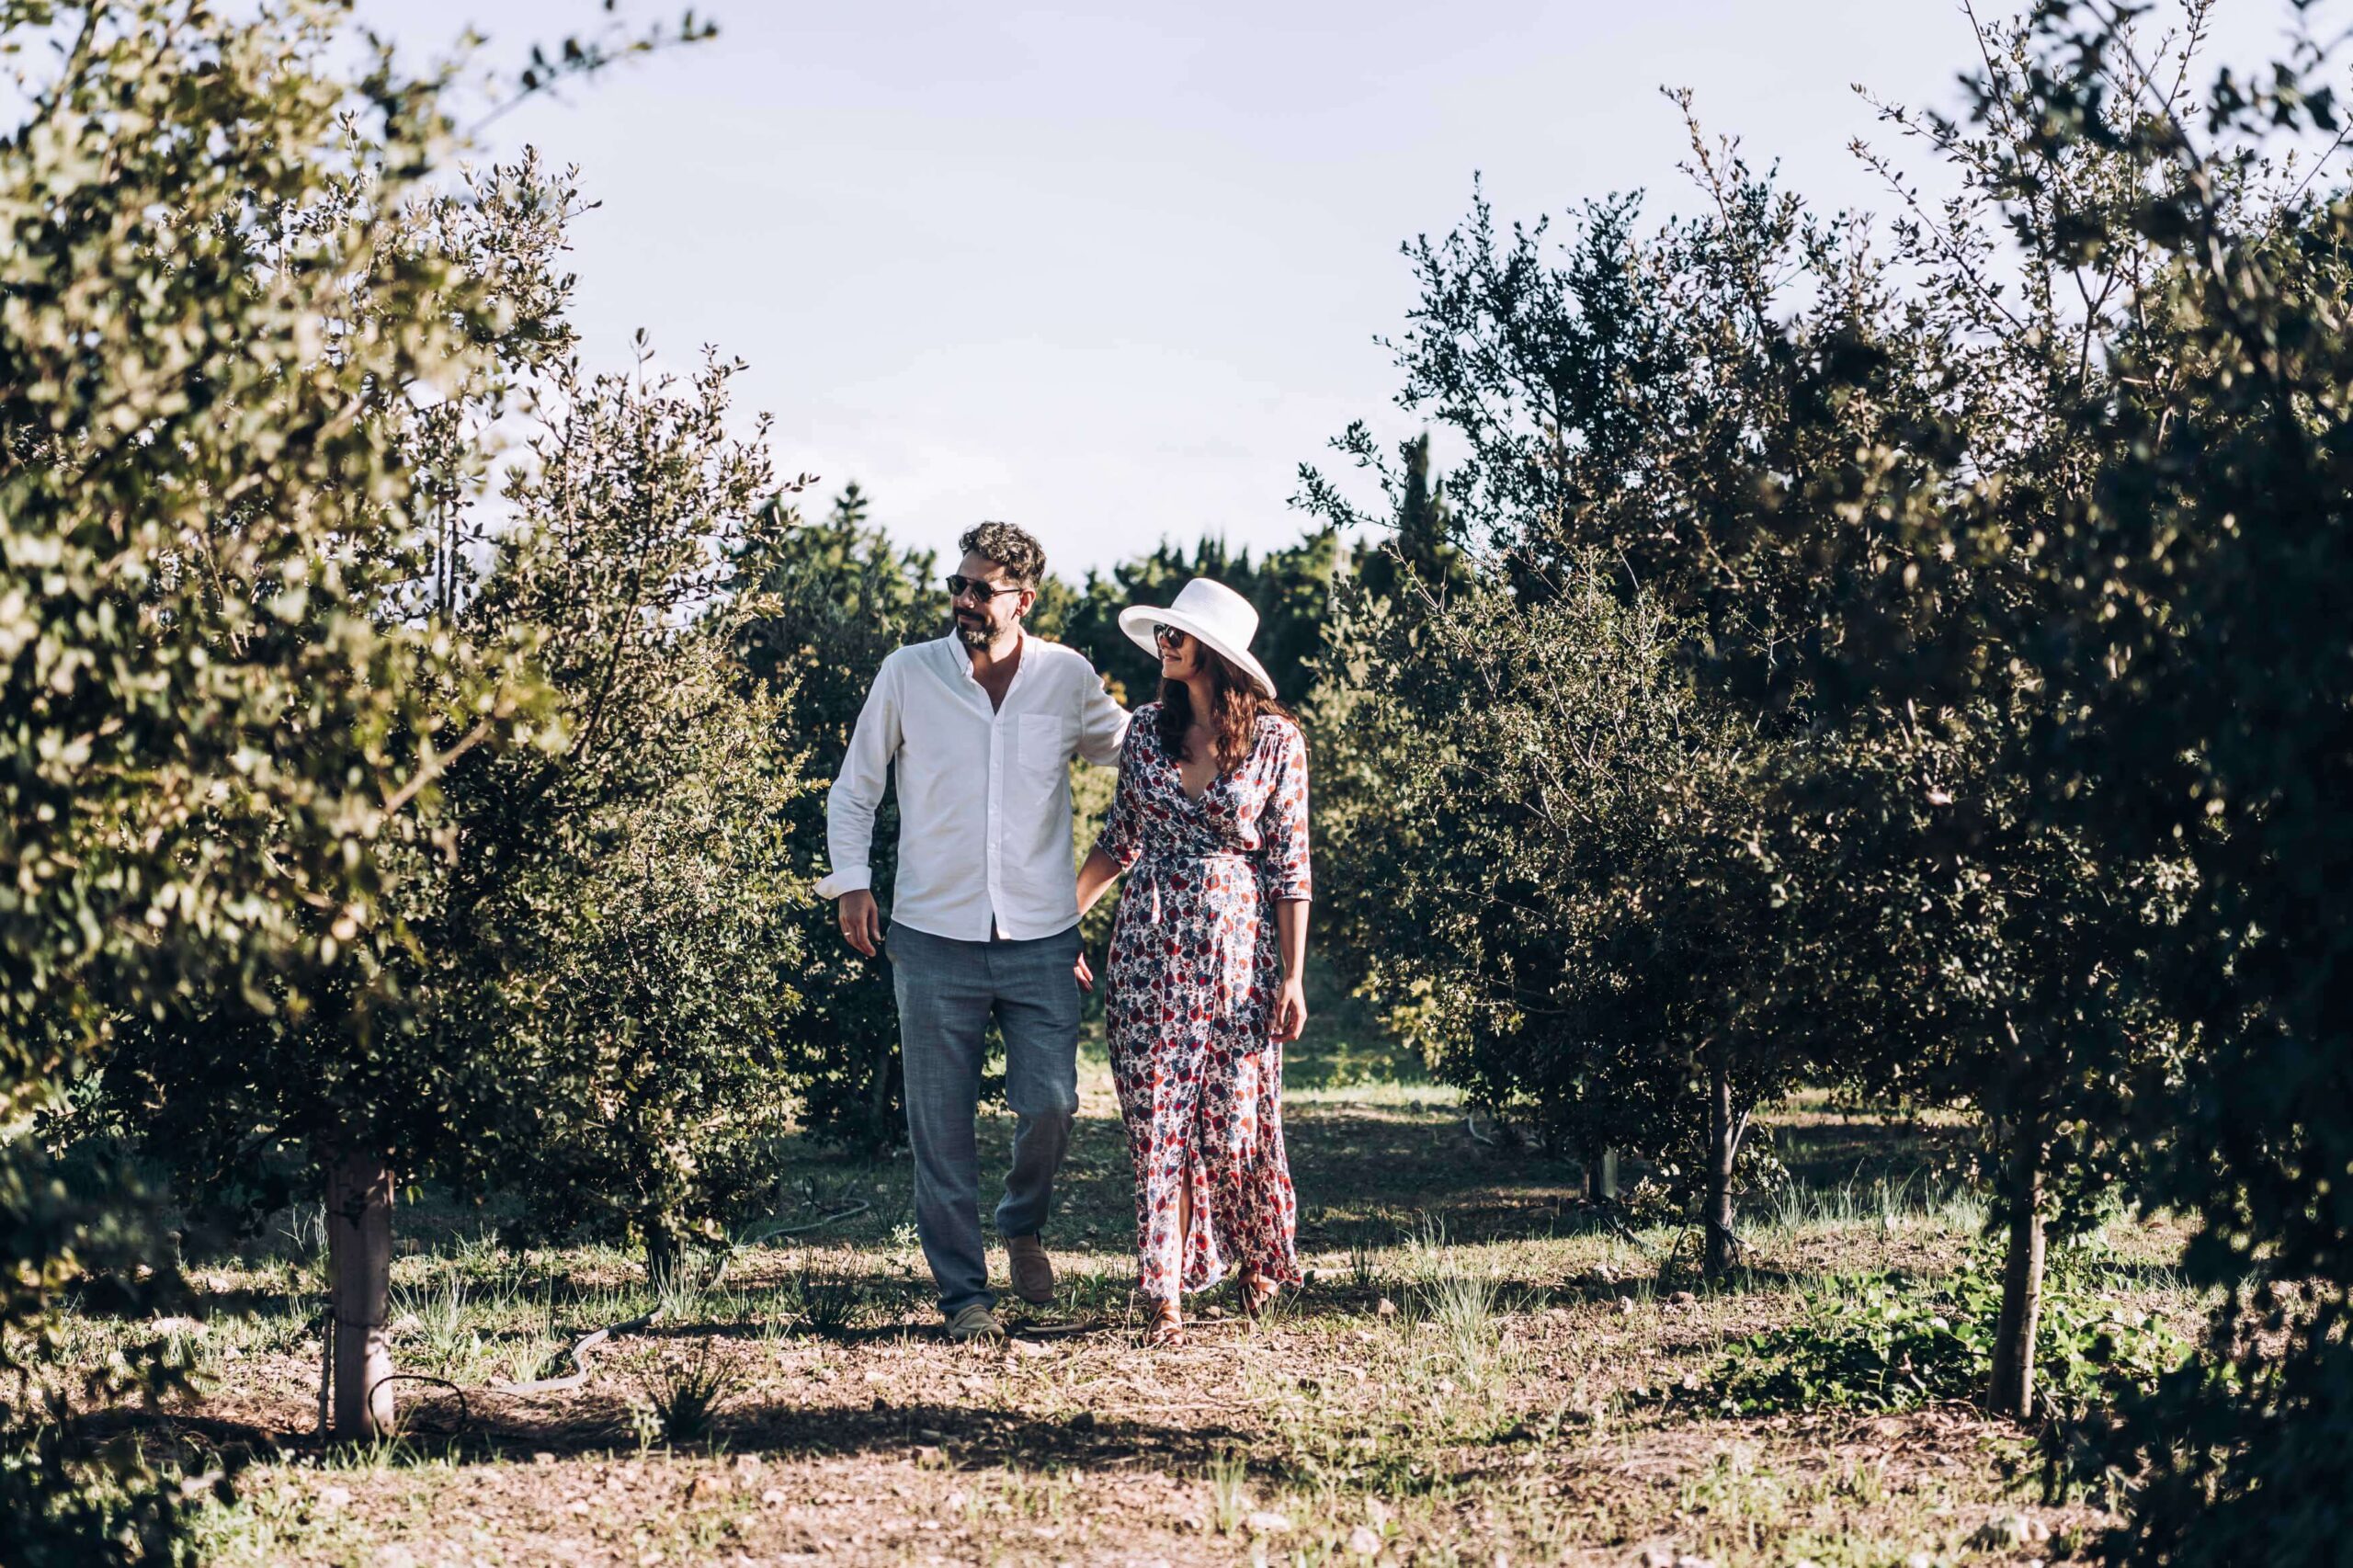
802,1407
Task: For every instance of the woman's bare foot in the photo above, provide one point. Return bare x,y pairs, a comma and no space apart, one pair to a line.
1167,1324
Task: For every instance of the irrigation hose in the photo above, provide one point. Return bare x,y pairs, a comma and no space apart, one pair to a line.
579,1354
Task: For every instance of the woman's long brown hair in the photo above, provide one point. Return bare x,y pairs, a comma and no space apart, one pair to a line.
1233,725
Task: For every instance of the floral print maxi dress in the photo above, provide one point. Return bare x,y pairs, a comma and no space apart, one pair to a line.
1194,975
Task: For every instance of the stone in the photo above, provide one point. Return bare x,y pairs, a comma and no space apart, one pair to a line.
1365,1542
1386,1308
1266,1521
2006,1533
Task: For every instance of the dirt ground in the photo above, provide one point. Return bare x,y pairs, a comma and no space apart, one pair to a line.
1477,1372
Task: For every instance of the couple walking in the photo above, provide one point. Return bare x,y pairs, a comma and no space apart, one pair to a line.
1209,825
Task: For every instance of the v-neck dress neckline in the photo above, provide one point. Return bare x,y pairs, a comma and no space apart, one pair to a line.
1176,771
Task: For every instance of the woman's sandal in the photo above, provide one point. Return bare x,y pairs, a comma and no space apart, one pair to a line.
1167,1325
1257,1294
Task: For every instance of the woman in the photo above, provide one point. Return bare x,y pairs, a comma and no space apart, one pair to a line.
1210,824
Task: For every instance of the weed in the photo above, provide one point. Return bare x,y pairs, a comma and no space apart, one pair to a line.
1887,1341
826,1301
1463,1305
1739,1502
1229,1492
678,1401
189,1346
304,1230
1364,1264
440,1313
685,1288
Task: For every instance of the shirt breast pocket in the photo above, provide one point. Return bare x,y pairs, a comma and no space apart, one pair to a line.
1042,746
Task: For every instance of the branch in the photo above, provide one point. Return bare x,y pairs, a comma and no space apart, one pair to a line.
433,766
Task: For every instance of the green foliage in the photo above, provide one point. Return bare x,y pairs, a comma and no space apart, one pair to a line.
622,927
2198,587
1291,589
1546,833
206,499
1890,1340
835,597
677,1400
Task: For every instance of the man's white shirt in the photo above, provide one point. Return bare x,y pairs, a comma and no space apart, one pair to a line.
984,812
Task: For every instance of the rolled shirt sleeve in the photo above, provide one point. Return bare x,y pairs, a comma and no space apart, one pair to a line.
1102,727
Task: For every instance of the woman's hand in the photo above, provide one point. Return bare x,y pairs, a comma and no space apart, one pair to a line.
1291,1010
1086,975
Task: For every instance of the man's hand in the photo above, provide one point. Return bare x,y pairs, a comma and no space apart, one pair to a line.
861,920
1086,975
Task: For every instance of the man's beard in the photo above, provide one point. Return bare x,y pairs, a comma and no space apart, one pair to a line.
973,634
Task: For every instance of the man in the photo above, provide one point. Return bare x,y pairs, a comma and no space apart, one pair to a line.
980,726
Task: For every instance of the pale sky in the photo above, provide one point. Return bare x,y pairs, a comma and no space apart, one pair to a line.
1113,273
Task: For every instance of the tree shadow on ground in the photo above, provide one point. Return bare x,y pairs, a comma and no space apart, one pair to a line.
440,1428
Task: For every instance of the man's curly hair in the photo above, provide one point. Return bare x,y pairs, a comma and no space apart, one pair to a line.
1023,558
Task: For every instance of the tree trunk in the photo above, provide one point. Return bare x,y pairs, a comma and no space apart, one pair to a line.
2012,1392
661,1253
360,1268
1723,1137
1601,1175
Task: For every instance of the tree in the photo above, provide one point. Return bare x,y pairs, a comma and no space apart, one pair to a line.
1291,589
1664,404
1421,546
593,953
621,941
835,597
198,495
1562,826
1823,470
2197,579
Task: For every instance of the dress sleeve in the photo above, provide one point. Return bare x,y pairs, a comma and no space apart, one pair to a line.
1122,834
1283,820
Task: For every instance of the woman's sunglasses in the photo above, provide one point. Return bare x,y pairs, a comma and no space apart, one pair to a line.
958,585
1169,636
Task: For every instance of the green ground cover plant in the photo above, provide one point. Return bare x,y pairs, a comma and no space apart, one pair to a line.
1891,1339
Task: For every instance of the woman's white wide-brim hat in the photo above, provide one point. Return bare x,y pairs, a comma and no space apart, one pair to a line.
1220,617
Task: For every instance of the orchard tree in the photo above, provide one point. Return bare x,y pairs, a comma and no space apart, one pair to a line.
1684,405
226,332
203,490
593,968
621,929
1562,826
2200,579
834,596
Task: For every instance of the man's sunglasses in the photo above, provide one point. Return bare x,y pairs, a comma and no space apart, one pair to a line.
980,589
1169,636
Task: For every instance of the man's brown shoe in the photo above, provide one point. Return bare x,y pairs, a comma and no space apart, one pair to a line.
1033,1272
